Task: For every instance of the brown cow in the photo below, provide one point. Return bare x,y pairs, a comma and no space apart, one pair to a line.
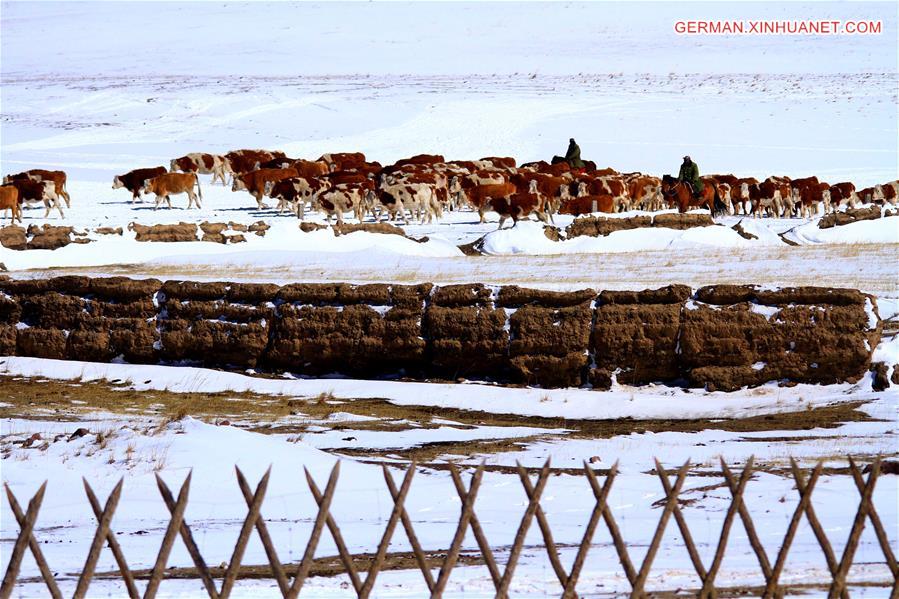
58,178
587,204
133,181
203,164
165,185
9,201
242,161
258,183
309,169
341,161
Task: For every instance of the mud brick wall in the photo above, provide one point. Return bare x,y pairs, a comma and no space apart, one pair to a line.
722,337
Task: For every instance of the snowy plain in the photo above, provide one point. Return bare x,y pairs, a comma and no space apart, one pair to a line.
98,96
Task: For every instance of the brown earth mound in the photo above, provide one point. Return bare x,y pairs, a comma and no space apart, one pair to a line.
385,228
164,233
682,221
838,219
599,226
13,237
466,340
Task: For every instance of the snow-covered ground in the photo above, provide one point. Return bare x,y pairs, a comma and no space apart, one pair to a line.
97,89
138,446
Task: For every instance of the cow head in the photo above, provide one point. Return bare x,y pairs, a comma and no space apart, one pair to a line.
7,180
238,183
117,182
267,188
147,186
173,165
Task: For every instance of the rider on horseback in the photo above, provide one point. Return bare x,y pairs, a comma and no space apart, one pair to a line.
689,173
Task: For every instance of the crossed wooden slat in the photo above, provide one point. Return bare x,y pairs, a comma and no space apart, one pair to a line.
502,580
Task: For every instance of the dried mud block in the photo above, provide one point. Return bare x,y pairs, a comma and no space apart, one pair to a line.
123,289
136,340
682,221
637,342
89,346
214,342
213,228
193,290
41,343
309,293
252,293
7,340
474,294
310,227
13,237
512,296
466,341
838,219
379,228
550,346
672,294
747,344
410,296
598,226
354,339
53,310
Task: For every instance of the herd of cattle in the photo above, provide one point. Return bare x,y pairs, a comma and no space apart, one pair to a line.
424,186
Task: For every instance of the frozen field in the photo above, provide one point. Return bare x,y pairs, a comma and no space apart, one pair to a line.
98,89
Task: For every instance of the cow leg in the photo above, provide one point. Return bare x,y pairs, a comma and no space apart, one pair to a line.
502,220
65,195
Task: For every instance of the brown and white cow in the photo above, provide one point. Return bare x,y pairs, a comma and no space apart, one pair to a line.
294,192
842,193
887,193
33,192
480,197
344,198
260,182
164,186
764,197
645,192
134,180
419,198
58,178
9,202
202,164
520,205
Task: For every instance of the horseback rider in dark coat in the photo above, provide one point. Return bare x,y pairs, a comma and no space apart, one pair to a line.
573,155
689,173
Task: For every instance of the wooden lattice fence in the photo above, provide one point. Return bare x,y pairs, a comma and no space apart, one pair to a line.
290,583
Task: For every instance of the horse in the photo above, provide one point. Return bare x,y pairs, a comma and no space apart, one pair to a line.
681,194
